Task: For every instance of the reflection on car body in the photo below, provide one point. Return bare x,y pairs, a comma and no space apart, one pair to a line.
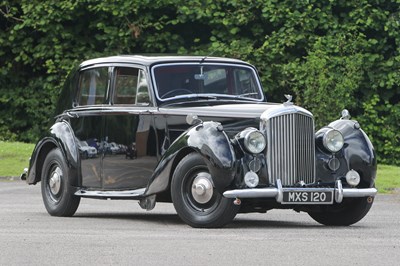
85,150
198,132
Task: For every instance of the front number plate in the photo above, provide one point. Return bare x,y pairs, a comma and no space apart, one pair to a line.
307,197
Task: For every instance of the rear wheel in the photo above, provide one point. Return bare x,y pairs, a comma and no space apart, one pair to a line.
195,199
346,213
58,196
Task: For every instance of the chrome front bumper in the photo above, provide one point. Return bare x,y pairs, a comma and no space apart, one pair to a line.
277,192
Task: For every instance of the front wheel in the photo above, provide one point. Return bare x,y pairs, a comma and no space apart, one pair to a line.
57,194
346,213
195,199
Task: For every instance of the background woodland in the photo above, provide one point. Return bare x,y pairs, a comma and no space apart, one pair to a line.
330,54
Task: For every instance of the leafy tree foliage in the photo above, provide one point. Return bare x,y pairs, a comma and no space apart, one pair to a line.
330,54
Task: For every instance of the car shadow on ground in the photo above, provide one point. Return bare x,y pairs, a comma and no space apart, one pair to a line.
173,219
143,217
244,223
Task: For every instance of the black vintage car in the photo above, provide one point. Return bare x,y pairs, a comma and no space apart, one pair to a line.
198,132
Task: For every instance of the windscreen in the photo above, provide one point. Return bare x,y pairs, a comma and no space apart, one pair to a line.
188,80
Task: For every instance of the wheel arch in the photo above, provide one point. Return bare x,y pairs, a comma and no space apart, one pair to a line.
60,137
357,154
358,151
211,142
41,156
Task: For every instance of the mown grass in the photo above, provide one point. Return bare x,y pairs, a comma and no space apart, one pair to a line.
14,157
388,178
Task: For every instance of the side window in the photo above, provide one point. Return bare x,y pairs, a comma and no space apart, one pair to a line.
93,86
142,95
130,86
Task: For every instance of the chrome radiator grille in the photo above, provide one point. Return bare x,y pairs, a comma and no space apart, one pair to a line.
291,148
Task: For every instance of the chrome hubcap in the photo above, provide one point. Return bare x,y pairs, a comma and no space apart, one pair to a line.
55,181
202,188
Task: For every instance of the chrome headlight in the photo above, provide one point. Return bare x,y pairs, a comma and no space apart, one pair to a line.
333,140
254,141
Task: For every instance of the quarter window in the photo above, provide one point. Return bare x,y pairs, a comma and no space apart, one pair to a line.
93,86
131,86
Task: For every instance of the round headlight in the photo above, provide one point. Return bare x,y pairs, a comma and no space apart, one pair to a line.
333,140
254,141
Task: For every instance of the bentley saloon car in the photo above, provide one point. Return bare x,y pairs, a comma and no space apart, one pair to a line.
198,132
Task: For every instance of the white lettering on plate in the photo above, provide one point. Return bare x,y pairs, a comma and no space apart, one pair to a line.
307,197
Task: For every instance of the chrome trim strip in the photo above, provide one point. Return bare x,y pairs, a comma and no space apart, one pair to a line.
280,110
110,194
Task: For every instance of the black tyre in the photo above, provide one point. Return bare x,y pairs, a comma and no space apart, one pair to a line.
348,212
58,196
194,197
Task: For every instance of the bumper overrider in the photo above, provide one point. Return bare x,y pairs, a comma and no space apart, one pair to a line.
302,195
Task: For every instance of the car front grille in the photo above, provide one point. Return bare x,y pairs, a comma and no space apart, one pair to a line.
290,148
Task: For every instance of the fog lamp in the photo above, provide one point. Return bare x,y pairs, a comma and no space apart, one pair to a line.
352,178
333,140
251,179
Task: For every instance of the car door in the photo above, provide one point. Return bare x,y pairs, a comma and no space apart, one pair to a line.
86,120
129,135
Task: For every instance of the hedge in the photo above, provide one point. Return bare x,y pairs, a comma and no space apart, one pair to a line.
329,54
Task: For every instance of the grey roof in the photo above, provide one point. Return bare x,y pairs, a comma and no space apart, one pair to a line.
151,60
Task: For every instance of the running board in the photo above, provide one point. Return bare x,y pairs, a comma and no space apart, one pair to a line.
115,194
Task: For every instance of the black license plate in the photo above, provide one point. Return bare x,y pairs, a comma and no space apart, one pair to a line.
307,197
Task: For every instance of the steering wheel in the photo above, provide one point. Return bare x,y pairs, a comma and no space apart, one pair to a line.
175,93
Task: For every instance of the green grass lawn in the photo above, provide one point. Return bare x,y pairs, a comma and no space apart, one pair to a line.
14,157
388,178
